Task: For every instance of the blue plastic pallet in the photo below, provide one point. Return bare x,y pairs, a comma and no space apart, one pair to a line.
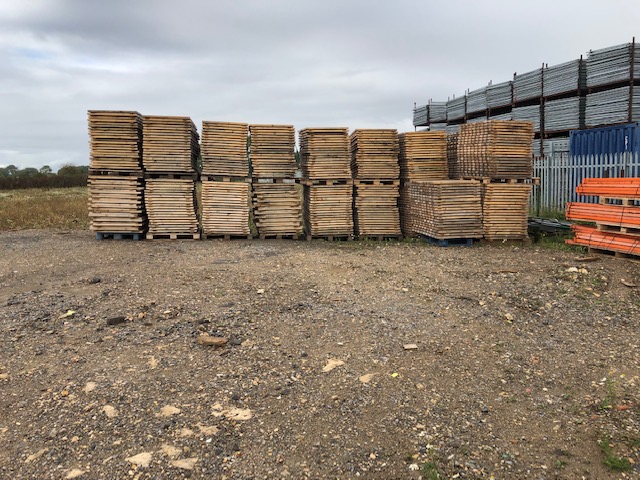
449,242
119,236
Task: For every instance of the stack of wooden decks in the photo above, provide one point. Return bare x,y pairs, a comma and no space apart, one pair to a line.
328,208
406,217
170,204
115,140
376,208
224,149
496,149
423,156
324,153
277,209
446,209
170,144
374,154
116,204
452,156
225,208
272,151
505,208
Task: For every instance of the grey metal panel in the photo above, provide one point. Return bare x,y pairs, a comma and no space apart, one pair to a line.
529,114
527,86
499,95
612,107
566,77
477,100
420,116
503,116
612,64
556,145
434,127
565,114
456,108
453,128
437,112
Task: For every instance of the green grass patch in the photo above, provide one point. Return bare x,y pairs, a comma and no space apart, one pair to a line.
63,208
611,460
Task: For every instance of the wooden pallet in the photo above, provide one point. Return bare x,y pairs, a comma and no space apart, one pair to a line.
496,149
324,153
116,204
448,242
222,178
170,205
328,210
119,236
173,236
331,238
376,210
227,237
374,153
452,156
505,210
446,209
271,151
279,236
277,209
423,156
169,144
329,182
224,149
225,208
115,140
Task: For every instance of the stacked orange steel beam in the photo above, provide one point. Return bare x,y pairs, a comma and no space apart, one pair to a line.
617,216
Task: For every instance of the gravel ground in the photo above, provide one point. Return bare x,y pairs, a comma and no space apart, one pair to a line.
527,360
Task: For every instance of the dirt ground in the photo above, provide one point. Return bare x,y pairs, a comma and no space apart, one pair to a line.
527,362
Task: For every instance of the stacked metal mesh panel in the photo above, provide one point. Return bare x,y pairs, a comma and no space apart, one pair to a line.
527,86
477,120
437,112
563,78
611,107
452,129
499,95
421,116
528,114
556,145
456,108
536,147
503,116
564,114
477,100
613,64
437,127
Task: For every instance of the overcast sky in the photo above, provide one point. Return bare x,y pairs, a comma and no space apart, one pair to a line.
306,63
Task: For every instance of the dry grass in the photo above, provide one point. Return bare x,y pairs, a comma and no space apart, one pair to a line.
64,208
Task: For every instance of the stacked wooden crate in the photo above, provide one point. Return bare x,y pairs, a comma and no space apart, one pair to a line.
616,216
374,162
423,157
452,156
226,185
328,187
499,153
447,211
277,203
116,184
170,153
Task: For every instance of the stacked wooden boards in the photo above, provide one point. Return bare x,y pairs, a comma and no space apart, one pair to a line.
224,149
271,151
496,149
170,144
170,205
324,153
423,156
116,204
375,167
277,209
376,210
374,154
617,215
277,202
446,209
226,189
327,184
225,208
452,156
116,186
115,140
328,209
505,208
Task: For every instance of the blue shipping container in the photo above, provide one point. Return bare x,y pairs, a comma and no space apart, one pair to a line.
606,140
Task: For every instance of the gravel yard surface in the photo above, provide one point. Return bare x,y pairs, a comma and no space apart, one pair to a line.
342,360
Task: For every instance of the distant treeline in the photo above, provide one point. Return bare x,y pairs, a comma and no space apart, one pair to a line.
12,178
